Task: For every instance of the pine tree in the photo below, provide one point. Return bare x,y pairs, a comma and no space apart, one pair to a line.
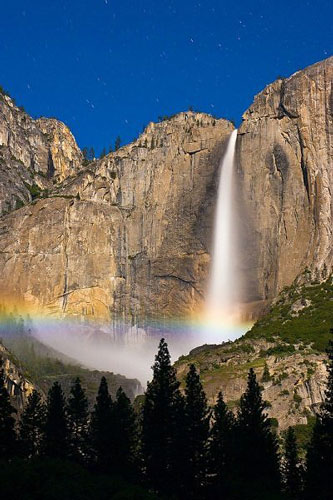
85,153
258,465
197,419
320,451
162,412
7,422
266,376
56,438
291,466
91,154
125,442
102,428
103,153
31,426
222,452
77,410
117,143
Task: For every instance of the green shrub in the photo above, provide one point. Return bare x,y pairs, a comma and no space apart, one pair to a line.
280,350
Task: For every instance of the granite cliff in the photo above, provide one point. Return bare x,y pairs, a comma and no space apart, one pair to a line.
35,155
285,169
129,234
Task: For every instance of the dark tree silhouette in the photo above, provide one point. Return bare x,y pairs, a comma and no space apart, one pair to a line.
197,420
91,155
320,451
161,425
125,438
103,153
222,453
85,152
258,464
117,143
102,428
56,438
31,426
77,410
291,466
266,375
7,422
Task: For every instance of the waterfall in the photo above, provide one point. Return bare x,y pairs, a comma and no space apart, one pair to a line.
220,301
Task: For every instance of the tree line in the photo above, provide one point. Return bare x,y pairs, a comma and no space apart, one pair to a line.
89,152
175,445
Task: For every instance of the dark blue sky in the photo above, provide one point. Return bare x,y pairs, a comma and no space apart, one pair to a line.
109,67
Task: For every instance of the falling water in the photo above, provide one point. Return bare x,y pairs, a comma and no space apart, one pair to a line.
221,292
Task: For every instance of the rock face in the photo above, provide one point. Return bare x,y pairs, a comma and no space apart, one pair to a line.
127,236
18,386
35,155
285,168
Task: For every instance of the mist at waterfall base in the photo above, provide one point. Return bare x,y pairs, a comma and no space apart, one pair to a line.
130,350
124,349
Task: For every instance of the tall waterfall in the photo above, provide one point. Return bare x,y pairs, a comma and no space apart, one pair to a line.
221,292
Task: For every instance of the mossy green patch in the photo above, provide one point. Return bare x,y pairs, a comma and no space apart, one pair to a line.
310,324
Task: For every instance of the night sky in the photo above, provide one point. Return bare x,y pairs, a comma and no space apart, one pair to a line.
107,68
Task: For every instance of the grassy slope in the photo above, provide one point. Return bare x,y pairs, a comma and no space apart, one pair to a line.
311,325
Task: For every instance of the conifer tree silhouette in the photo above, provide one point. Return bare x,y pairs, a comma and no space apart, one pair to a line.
77,410
56,438
258,464
222,453
102,428
31,426
125,437
291,466
320,451
197,420
163,407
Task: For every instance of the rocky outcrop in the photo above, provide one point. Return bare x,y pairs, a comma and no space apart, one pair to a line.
128,236
285,168
295,385
17,385
35,155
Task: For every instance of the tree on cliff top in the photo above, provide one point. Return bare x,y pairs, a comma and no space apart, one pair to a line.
117,143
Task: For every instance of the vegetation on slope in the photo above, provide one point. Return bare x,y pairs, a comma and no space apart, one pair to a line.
302,313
